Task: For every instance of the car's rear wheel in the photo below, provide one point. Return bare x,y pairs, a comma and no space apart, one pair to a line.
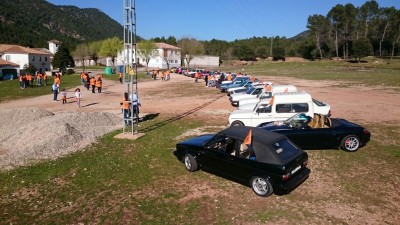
190,162
261,186
237,123
350,143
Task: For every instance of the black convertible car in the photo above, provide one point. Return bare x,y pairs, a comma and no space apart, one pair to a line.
271,163
321,132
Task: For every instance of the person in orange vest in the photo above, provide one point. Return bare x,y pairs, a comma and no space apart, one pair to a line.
162,75
29,79
196,77
83,75
21,81
155,72
93,83
45,78
229,76
120,77
39,79
99,84
125,106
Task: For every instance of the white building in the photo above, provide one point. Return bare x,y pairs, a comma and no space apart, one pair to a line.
165,53
53,46
206,61
25,56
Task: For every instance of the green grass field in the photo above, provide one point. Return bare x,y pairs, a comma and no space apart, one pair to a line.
141,182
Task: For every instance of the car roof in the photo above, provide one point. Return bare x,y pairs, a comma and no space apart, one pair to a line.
262,142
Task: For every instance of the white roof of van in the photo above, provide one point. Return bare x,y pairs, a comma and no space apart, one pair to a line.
292,97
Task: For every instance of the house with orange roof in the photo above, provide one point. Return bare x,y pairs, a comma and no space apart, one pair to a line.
24,57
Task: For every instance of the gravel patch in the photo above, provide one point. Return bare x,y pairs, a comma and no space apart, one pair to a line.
29,135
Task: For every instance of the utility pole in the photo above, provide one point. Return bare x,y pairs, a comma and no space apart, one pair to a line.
130,64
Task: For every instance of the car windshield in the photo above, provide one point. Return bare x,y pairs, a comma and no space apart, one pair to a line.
250,90
297,121
285,149
318,103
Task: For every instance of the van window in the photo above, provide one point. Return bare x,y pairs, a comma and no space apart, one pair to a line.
264,109
292,108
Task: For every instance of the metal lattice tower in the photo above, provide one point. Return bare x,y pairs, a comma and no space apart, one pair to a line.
130,64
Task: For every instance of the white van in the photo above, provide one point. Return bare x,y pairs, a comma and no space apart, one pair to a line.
280,107
251,101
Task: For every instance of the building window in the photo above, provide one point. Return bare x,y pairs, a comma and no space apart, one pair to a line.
45,59
176,61
33,58
8,57
40,58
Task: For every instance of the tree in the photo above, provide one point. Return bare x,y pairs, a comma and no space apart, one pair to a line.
244,52
319,28
94,48
63,59
362,48
190,48
262,52
147,50
171,40
278,53
81,52
367,14
336,15
110,48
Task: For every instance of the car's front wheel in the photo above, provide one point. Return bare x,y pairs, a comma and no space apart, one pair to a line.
190,162
237,123
261,186
350,143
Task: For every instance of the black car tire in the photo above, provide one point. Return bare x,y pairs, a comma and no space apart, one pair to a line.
237,123
190,162
350,143
261,186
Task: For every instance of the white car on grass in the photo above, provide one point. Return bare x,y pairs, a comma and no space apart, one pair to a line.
281,107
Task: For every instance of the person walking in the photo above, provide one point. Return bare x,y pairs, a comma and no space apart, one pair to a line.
54,87
99,84
78,97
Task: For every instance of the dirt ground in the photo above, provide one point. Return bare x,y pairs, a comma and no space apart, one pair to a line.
360,104
356,103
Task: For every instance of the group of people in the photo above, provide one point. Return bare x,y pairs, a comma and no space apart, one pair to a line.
130,107
92,82
28,80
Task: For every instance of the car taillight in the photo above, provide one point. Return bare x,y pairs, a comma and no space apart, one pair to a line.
366,131
305,163
286,176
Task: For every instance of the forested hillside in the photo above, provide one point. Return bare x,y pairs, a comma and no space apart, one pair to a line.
34,22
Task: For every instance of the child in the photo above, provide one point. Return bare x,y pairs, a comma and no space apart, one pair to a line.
64,96
78,97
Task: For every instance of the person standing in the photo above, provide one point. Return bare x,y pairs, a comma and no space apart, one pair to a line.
64,96
78,97
54,87
120,77
135,103
125,107
99,84
206,79
93,83
45,78
22,81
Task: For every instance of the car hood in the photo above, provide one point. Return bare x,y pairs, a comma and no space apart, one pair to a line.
197,141
241,113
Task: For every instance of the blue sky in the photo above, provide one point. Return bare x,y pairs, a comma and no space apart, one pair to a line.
219,19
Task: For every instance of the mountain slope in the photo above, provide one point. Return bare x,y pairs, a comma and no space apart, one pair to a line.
34,22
